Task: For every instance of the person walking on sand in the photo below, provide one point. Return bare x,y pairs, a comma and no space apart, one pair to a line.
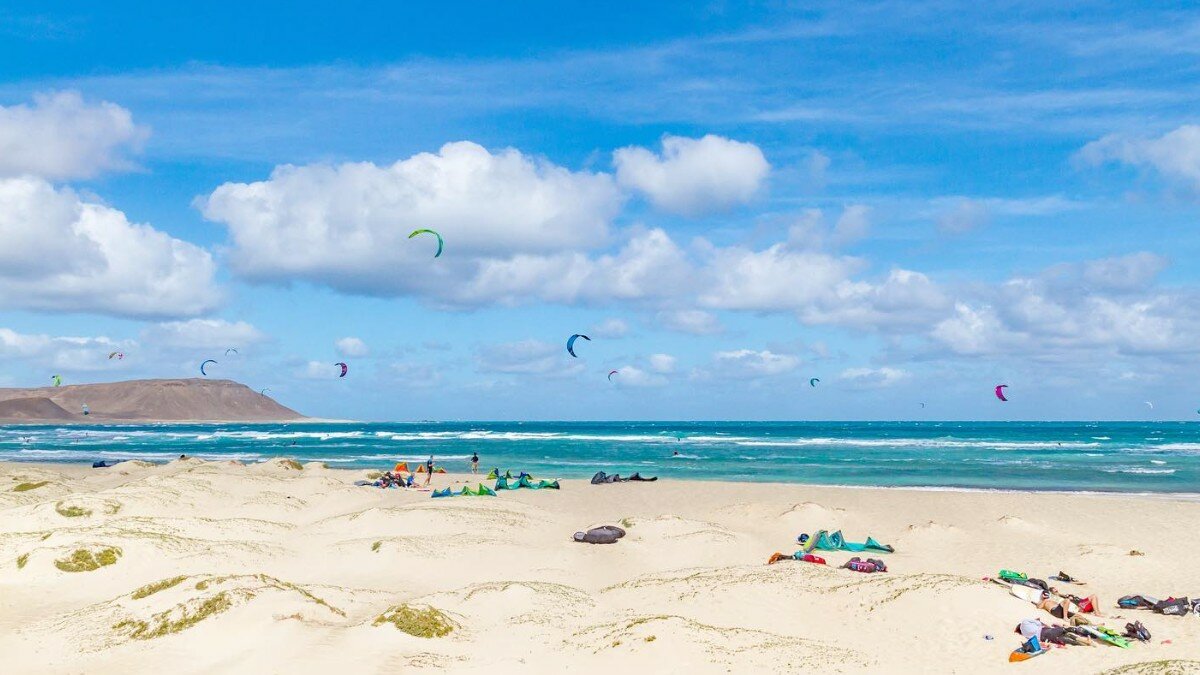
475,462
429,470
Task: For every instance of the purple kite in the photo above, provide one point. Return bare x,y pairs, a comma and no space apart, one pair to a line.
1000,391
345,368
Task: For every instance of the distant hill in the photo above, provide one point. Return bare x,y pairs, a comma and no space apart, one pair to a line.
191,399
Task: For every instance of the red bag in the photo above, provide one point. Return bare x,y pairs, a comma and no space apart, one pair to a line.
808,557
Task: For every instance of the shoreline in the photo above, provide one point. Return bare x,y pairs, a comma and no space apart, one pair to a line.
82,465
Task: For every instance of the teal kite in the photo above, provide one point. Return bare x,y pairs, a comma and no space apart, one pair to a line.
439,238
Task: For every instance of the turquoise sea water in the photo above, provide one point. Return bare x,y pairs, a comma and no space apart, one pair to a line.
1093,456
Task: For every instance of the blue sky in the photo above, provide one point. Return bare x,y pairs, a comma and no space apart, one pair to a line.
911,201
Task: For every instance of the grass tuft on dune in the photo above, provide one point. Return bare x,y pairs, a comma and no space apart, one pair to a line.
26,487
84,560
150,589
423,622
164,624
22,560
72,511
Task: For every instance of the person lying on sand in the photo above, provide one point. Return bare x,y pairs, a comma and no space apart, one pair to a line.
1069,606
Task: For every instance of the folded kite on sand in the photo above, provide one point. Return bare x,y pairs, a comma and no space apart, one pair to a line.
836,542
605,534
524,482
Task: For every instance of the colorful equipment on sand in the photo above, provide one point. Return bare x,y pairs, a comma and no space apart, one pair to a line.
481,491
401,467
436,469
524,482
836,542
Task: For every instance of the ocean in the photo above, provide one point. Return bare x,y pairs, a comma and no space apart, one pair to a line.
1137,457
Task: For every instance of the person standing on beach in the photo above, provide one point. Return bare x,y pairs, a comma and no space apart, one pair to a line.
475,462
429,470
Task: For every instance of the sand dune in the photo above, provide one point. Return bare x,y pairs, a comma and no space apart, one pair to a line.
218,567
143,401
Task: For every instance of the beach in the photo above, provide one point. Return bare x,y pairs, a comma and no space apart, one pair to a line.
217,566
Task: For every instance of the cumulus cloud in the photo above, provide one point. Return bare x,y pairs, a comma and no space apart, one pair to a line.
61,252
691,321
1175,155
662,363
61,136
873,377
351,347
694,176
60,352
203,334
1059,316
318,370
747,363
632,376
347,225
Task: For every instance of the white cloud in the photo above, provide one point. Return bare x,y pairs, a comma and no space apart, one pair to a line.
691,321
610,328
351,347
874,377
60,352
776,278
853,225
1057,316
632,376
318,370
1175,154
203,334
61,136
747,363
528,357
59,252
347,226
958,214
662,363
694,176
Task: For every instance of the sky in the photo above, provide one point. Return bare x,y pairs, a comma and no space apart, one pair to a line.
911,201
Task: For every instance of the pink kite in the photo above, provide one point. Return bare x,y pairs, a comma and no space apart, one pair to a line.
1000,391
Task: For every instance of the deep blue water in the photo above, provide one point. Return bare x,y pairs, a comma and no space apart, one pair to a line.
1098,456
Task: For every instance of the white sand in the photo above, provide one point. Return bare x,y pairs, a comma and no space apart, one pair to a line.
296,565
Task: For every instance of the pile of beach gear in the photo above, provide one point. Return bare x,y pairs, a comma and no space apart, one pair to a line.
1079,615
823,540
